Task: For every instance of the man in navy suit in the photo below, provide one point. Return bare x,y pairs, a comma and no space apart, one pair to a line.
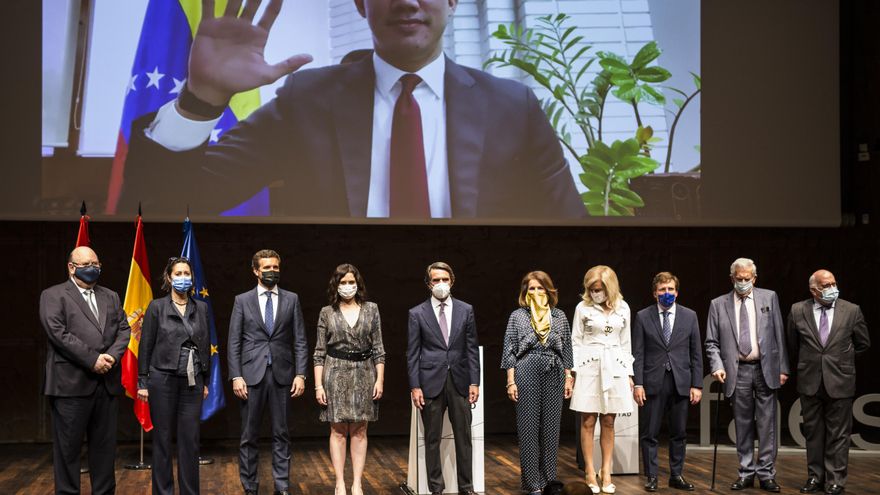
328,141
668,371
443,360
267,346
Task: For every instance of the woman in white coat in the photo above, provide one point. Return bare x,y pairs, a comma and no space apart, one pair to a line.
603,368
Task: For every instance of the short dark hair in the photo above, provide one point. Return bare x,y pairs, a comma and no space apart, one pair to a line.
166,284
546,283
262,254
341,271
438,265
662,278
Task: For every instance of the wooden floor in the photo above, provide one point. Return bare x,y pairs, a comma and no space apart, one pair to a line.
27,469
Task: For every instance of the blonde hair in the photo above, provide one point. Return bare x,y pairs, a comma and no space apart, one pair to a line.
606,276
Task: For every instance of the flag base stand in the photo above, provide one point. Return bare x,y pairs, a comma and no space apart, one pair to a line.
203,461
140,465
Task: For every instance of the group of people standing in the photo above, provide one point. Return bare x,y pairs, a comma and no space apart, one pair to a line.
605,362
608,360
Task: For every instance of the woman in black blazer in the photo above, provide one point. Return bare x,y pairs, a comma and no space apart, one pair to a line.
173,362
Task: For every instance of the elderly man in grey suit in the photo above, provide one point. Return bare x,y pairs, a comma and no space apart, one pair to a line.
88,333
745,344
267,346
443,361
824,335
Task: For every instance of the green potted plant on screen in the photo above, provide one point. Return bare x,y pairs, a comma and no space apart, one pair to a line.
557,59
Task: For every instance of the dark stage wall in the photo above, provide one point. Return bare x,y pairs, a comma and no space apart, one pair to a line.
488,261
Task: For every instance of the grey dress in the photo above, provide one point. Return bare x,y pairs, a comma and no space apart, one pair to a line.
349,384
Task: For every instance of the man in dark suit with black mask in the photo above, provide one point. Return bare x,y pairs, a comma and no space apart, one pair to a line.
88,333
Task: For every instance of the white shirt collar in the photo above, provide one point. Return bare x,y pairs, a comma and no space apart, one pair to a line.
432,75
817,306
261,290
80,289
435,303
671,309
737,297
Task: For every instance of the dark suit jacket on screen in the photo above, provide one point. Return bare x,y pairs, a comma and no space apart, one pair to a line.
651,353
429,359
833,364
250,342
76,339
316,137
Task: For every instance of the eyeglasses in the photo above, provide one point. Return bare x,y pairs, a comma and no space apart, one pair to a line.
95,264
181,259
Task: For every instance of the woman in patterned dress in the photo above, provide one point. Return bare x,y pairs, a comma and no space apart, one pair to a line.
349,370
537,357
602,366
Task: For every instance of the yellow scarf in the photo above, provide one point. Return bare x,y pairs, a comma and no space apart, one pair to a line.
540,313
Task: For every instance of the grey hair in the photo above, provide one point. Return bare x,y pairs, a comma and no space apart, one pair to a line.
743,263
812,281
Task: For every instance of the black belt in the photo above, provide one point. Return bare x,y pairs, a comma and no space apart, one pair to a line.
757,361
350,356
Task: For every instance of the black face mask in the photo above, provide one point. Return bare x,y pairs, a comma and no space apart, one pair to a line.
270,278
88,274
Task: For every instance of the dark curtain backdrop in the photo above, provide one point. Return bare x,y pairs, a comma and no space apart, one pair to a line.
488,262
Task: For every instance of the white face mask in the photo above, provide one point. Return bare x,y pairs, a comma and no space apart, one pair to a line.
743,287
441,290
598,296
347,291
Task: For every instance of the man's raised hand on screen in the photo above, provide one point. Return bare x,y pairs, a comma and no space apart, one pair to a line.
227,54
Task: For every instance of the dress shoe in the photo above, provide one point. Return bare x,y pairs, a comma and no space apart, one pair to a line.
467,492
813,485
834,489
679,483
770,486
742,483
651,484
282,492
250,492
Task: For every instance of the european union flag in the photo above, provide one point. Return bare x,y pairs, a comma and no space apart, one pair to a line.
216,399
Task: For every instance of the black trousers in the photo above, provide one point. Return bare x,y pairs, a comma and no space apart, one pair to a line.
652,413
175,406
827,428
276,396
93,416
460,417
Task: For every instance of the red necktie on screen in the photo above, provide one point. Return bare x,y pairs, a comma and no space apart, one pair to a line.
409,177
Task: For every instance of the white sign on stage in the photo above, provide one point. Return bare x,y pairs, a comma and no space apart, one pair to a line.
417,478
625,459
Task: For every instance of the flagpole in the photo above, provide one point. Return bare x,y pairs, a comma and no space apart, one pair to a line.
140,465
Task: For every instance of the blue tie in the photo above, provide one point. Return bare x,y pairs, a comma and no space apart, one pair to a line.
270,313
667,329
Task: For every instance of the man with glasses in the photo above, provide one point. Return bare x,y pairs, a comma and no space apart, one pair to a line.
824,335
88,333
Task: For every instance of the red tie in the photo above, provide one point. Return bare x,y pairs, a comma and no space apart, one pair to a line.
409,177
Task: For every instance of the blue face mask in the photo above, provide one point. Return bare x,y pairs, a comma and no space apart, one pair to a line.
182,284
667,299
88,274
829,295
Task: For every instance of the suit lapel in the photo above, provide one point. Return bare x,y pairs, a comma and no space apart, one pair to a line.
655,319
102,300
433,324
353,119
730,308
466,116
836,323
811,321
83,305
457,321
283,308
254,305
760,302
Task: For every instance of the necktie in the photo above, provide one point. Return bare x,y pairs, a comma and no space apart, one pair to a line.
409,178
745,339
667,328
270,313
444,328
90,297
823,326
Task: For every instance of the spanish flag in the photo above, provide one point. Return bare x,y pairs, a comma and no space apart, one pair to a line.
138,295
82,238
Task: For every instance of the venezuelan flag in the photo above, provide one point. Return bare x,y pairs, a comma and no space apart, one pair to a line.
138,295
157,77
216,398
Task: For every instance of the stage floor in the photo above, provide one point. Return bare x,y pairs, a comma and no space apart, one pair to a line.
27,469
